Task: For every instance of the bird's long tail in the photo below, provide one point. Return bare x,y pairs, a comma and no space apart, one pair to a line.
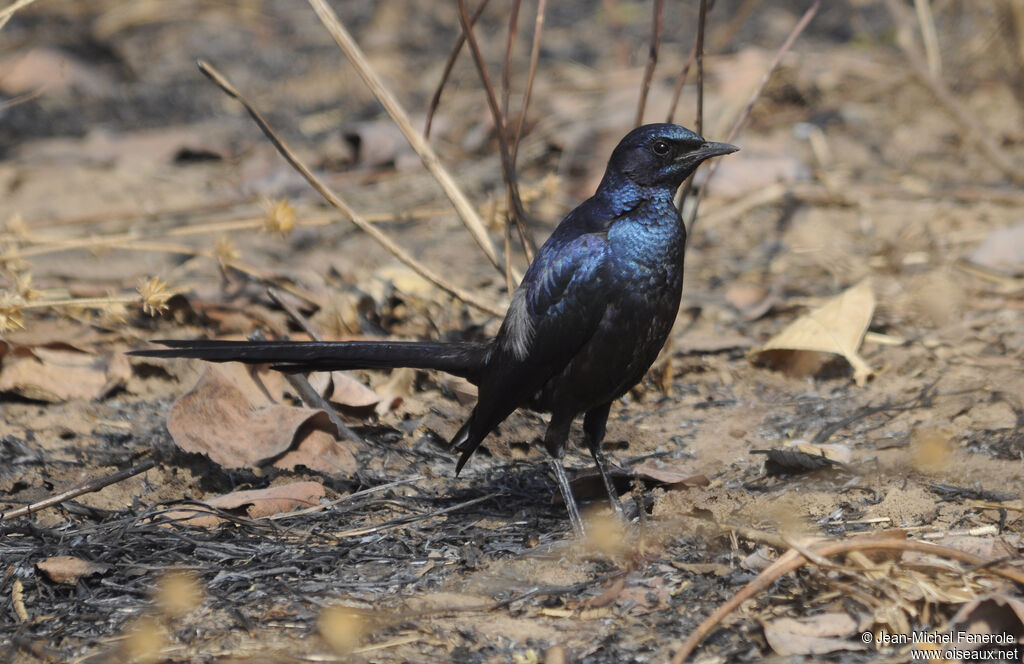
465,358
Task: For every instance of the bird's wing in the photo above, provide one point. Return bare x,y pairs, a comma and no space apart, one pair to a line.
555,311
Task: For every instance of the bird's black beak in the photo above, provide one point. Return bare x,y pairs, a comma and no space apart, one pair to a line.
710,149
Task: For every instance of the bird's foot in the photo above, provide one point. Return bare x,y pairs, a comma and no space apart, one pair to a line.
609,485
568,498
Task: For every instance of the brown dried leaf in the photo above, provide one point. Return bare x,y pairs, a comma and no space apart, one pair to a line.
257,503
406,280
998,613
55,377
816,635
397,388
215,418
319,451
759,559
465,392
832,451
660,472
69,569
836,327
350,392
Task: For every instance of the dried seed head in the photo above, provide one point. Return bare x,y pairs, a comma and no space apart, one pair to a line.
178,592
280,217
342,627
225,251
144,641
11,315
154,296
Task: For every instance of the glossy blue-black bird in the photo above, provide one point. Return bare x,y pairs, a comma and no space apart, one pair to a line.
589,318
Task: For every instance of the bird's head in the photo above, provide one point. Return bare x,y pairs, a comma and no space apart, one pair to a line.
662,155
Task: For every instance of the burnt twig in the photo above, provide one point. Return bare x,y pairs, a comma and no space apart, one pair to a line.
86,487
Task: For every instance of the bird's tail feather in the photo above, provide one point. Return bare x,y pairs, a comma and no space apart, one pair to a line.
463,359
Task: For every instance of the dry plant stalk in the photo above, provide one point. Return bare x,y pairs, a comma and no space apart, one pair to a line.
652,60
331,197
515,203
435,101
968,128
745,113
88,486
390,103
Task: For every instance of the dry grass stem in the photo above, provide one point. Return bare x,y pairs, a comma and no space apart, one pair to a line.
970,133
515,203
745,113
426,153
7,12
652,60
332,198
435,101
929,36
88,486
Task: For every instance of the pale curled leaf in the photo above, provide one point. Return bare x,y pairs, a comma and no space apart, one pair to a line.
256,503
397,389
69,569
55,376
816,635
836,327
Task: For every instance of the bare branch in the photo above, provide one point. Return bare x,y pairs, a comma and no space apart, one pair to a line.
652,60
332,198
448,65
508,170
745,113
86,487
355,55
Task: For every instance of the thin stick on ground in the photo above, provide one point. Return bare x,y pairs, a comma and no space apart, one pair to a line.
89,486
652,60
435,101
332,198
793,560
387,99
745,113
515,203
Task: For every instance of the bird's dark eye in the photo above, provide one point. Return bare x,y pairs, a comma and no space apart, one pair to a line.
661,148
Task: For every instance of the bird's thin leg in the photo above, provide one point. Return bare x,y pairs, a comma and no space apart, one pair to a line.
554,441
593,429
570,500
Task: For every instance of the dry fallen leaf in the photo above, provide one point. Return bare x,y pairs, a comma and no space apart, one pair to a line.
215,418
836,327
69,569
815,635
396,389
350,392
319,451
257,503
55,376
